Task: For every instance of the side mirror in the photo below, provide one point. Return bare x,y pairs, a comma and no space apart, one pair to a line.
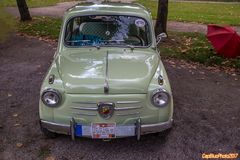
160,37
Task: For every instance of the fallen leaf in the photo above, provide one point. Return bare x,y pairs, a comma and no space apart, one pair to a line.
19,145
15,115
50,158
16,125
201,78
183,50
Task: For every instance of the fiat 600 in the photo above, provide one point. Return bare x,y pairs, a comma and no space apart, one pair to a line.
106,79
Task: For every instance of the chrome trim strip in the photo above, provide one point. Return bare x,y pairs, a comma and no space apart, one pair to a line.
86,108
138,129
118,102
116,108
144,128
106,85
55,127
53,123
127,102
85,114
72,128
158,127
127,108
86,103
127,114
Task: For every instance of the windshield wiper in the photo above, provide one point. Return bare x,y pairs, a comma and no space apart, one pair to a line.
131,46
97,46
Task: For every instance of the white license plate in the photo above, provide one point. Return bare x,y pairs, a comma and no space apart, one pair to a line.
103,130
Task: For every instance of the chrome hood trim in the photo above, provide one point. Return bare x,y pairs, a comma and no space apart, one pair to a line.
106,85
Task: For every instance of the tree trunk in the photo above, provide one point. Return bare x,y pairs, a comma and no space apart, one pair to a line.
161,23
23,10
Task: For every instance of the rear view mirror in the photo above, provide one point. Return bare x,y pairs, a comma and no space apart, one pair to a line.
160,37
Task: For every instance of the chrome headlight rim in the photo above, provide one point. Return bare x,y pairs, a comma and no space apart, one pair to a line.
160,90
54,91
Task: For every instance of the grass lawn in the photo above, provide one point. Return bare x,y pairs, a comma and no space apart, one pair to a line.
42,27
7,24
194,47
216,13
212,0
189,46
32,3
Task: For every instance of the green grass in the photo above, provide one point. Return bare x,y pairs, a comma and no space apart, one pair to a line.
212,0
32,3
188,46
42,27
194,47
199,12
7,24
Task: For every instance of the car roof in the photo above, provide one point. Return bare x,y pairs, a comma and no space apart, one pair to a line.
108,8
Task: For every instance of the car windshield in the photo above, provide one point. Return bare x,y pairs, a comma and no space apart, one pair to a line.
107,31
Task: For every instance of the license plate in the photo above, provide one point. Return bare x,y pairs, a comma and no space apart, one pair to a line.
103,130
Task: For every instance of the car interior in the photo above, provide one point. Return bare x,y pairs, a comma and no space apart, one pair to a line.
99,30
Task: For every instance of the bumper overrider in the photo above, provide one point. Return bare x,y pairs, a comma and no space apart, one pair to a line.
136,129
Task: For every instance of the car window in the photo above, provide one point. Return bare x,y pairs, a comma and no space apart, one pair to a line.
107,31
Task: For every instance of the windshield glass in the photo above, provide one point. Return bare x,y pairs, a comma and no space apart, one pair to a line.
107,31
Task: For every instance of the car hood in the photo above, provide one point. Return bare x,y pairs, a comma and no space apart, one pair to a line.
88,71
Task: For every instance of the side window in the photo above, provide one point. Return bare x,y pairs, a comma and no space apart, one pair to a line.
68,32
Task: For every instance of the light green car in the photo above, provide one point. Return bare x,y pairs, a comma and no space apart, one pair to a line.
107,79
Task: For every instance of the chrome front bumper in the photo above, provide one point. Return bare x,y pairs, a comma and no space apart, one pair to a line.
139,129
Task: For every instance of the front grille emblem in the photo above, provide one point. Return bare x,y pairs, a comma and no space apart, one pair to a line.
105,110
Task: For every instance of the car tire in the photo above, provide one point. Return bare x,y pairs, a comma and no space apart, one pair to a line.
164,133
48,134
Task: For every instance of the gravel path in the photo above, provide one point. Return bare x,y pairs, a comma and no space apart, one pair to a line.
191,27
206,113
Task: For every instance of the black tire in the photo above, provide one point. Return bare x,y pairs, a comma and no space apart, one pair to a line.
48,134
164,133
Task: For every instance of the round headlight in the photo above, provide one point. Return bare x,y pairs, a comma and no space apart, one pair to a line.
160,98
51,97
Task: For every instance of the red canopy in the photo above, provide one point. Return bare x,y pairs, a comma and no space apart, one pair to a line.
225,40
